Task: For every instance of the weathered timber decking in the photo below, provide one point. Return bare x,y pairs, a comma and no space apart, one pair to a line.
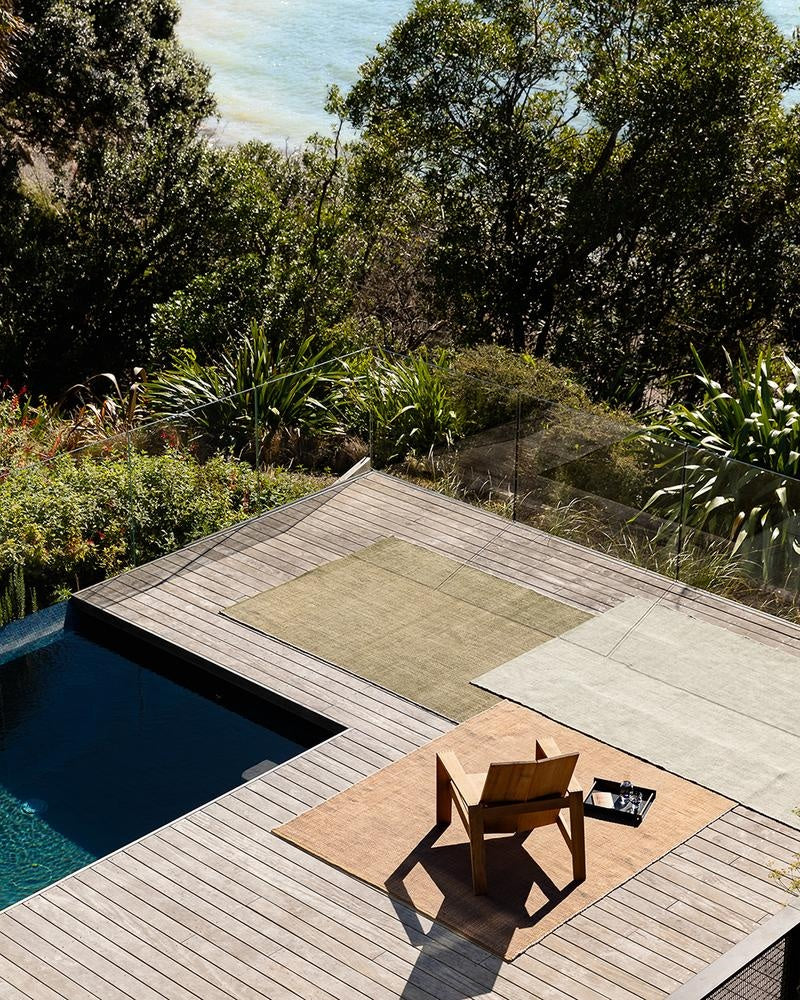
213,906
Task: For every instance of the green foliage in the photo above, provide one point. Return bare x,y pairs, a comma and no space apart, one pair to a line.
148,218
28,433
438,475
594,183
286,391
70,523
608,180
213,308
102,184
285,258
487,381
584,522
404,402
171,243
741,465
90,70
11,29
99,409
450,100
16,599
579,454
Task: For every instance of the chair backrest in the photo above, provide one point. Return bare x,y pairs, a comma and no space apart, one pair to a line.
521,781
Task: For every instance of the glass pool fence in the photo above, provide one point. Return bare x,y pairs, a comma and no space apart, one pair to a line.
88,500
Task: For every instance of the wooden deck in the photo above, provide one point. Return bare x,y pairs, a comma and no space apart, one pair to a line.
214,907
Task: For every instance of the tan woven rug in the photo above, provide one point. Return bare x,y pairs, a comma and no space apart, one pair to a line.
382,831
410,620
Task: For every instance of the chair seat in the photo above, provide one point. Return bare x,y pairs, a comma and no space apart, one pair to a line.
512,797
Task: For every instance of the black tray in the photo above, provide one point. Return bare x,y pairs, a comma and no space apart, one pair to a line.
618,814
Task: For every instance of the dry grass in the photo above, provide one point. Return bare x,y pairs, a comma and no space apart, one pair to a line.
703,562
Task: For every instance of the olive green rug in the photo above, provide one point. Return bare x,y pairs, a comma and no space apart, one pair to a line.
411,620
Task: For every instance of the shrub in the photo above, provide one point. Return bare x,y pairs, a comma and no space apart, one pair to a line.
68,524
404,401
16,598
28,433
292,390
486,382
742,463
99,409
568,445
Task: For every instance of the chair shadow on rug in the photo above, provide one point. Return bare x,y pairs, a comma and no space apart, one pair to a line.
520,891
382,831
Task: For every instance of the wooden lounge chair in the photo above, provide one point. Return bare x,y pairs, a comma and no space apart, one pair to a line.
513,797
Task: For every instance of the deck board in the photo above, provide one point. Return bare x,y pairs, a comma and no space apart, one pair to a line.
214,907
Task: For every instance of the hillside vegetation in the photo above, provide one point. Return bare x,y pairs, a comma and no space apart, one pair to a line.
548,213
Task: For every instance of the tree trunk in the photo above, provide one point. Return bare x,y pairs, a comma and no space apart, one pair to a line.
517,325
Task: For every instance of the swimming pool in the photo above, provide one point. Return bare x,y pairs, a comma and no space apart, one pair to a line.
97,749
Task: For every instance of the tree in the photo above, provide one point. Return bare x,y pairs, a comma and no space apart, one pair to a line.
318,253
11,29
607,176
92,72
101,174
296,259
460,97
696,247
144,220
164,241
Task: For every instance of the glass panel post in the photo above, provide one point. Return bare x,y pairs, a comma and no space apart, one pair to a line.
517,432
131,498
256,431
371,441
371,395
682,520
257,449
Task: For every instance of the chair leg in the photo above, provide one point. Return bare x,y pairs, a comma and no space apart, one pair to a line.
444,800
577,836
477,852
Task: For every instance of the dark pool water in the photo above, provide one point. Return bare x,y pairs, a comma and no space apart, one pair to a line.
97,749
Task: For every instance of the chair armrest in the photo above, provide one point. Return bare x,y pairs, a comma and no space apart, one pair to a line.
547,747
463,783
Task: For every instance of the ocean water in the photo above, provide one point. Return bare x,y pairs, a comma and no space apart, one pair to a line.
274,60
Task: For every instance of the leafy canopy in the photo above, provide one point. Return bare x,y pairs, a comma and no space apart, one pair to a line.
87,72
609,179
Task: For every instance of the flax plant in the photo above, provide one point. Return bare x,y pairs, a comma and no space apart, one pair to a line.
405,401
259,392
735,460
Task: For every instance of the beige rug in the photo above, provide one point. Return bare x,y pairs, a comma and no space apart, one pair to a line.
689,695
410,620
383,831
